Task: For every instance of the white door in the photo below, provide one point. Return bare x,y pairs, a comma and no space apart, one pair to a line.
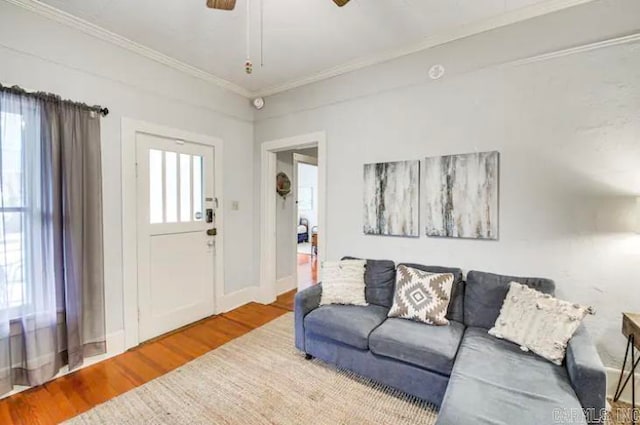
175,254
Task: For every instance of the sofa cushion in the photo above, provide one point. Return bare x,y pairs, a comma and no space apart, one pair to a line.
494,379
456,306
348,324
485,292
430,347
380,280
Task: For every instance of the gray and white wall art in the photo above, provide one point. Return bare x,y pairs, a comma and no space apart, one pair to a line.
391,199
461,194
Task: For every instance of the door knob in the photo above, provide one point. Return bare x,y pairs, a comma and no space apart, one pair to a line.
212,232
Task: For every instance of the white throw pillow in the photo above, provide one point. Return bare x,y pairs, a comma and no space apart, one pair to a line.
343,282
538,322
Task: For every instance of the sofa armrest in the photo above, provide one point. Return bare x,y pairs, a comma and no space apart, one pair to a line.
587,375
305,302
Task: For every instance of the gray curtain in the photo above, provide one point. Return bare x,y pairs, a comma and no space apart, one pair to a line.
51,257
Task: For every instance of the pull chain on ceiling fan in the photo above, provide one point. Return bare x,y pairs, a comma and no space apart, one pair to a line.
231,4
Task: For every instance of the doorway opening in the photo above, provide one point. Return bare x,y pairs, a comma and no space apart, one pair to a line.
293,239
297,228
306,229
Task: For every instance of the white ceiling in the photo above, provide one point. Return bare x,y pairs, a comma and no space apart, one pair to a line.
301,37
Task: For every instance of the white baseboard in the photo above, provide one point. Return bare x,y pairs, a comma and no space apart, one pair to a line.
285,284
115,346
613,375
238,298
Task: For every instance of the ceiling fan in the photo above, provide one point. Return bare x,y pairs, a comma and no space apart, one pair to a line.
230,4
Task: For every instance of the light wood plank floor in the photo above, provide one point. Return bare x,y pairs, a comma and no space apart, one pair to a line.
77,392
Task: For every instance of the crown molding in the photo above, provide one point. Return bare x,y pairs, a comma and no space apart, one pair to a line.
111,37
602,44
443,37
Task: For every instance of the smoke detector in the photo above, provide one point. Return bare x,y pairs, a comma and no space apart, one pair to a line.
258,103
436,72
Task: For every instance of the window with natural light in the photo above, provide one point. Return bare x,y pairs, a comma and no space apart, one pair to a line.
13,207
175,187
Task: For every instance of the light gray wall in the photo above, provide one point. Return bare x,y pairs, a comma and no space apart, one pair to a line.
308,179
567,128
40,54
285,211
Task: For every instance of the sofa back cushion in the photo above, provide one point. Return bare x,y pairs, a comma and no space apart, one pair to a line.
456,303
485,293
380,280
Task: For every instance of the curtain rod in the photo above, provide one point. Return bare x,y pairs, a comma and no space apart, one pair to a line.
53,97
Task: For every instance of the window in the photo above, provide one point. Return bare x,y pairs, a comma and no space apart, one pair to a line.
175,187
13,210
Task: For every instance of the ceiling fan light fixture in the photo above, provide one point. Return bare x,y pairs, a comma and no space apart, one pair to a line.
341,3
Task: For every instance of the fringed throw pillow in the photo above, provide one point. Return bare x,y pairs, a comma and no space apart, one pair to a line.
343,282
538,322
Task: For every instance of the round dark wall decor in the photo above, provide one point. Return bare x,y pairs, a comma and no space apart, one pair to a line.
283,184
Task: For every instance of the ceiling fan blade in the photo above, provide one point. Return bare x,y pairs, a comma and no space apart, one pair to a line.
341,2
222,4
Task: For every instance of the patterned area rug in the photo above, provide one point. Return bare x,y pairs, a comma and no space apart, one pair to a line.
260,378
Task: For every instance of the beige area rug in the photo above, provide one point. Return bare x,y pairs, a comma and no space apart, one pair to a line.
260,378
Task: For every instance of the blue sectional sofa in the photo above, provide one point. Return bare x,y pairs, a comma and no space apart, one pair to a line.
473,377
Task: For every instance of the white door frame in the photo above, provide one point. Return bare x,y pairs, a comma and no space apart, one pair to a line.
299,159
129,129
268,291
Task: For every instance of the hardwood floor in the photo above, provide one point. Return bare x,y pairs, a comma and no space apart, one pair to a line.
307,270
70,395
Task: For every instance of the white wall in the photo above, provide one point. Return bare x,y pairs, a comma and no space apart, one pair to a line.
40,54
285,210
568,129
308,180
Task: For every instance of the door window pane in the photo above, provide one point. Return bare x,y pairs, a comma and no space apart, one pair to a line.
171,186
155,186
197,188
185,187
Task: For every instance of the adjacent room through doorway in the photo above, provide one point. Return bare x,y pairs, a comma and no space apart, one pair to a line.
297,220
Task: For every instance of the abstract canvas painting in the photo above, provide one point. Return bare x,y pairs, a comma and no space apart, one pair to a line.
391,198
461,194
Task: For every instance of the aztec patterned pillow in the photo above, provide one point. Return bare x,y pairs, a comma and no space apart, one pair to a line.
343,282
421,296
538,322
